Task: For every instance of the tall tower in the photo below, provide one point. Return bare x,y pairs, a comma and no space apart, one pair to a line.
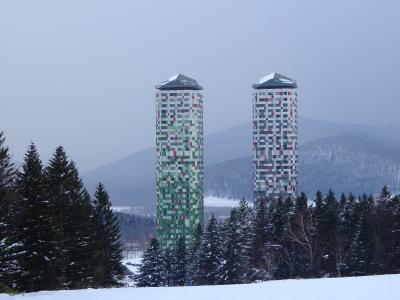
179,148
275,153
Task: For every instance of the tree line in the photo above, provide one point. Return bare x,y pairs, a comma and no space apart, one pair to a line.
53,235
282,239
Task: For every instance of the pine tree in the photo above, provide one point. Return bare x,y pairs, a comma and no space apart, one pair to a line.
279,215
384,223
83,252
33,225
8,264
209,255
194,252
71,223
231,269
151,271
318,217
167,255
244,217
58,181
109,269
363,244
328,233
276,263
301,203
347,221
259,240
179,263
395,250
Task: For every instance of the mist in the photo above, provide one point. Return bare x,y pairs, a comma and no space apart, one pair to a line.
82,73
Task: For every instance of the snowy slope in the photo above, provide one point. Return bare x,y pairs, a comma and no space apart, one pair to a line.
214,201
363,288
132,265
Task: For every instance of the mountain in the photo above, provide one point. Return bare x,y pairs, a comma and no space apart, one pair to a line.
345,163
131,180
349,163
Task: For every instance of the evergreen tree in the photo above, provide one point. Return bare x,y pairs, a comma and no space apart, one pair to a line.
109,268
33,225
179,263
318,217
342,201
194,253
276,262
151,271
58,181
259,240
209,255
363,244
84,250
8,263
384,223
395,250
244,232
231,269
347,221
328,233
167,255
71,223
301,203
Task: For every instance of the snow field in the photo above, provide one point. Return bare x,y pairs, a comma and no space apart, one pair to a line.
385,287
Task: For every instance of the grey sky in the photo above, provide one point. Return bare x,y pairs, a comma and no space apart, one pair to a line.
82,73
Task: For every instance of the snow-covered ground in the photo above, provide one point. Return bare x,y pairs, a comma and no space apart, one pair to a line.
120,208
132,265
385,287
213,201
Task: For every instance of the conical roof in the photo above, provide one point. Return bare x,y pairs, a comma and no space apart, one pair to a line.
275,81
179,82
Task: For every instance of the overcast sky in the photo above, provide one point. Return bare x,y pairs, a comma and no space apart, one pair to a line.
82,73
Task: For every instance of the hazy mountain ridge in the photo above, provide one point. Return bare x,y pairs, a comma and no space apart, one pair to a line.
349,164
326,149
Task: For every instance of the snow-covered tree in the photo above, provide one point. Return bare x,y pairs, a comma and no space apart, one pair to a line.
259,240
108,245
83,253
209,255
8,263
327,230
71,223
346,223
179,263
231,269
395,250
245,237
193,256
151,271
33,225
363,243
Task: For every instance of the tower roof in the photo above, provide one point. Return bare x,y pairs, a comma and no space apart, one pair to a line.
179,82
275,81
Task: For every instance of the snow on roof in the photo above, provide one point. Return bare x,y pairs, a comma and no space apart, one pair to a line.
274,81
266,78
179,82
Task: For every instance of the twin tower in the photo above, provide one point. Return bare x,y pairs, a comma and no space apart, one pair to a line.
179,148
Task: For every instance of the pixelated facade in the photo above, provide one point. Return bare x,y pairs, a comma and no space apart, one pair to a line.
179,162
275,141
